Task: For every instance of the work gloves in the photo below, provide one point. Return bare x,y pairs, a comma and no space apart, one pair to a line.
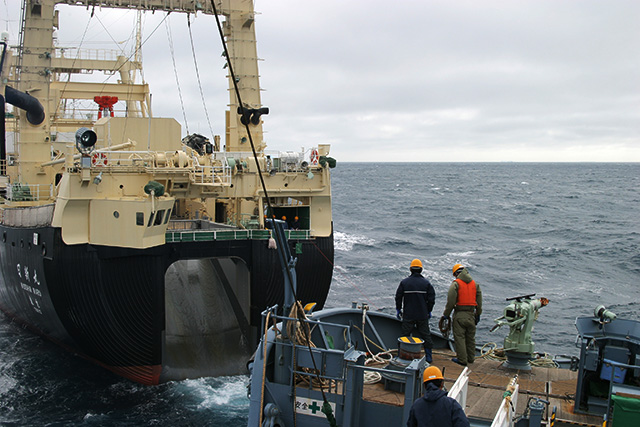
477,319
399,314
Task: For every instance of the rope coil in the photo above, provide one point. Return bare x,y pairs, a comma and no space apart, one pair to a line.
445,326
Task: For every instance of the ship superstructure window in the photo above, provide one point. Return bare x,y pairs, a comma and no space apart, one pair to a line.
139,218
159,217
150,219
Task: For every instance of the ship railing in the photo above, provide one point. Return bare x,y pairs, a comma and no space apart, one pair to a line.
19,192
77,53
174,236
336,371
276,161
460,388
292,161
619,391
159,161
204,174
507,410
197,224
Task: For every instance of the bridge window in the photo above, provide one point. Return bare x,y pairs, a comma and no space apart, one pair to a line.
159,217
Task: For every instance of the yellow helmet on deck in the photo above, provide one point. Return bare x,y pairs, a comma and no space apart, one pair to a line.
456,268
416,263
432,373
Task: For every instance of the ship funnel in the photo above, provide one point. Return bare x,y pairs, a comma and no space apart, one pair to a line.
26,102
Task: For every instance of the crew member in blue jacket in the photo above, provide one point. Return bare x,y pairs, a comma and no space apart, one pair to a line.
435,408
415,298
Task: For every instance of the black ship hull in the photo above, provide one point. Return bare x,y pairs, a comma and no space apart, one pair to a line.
176,311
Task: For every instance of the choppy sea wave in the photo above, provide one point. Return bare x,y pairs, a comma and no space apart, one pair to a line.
568,232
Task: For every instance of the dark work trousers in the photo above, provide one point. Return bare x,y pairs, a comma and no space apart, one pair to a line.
464,335
422,327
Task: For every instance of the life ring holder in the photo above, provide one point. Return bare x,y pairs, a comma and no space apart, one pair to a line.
314,157
99,159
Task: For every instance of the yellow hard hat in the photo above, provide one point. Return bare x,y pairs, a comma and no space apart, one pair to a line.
416,263
456,268
432,373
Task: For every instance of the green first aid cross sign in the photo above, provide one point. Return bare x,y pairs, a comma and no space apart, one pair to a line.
311,407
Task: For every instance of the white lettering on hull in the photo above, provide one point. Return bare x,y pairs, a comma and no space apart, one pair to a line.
33,293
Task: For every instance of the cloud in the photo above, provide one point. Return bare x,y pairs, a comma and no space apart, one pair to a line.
524,80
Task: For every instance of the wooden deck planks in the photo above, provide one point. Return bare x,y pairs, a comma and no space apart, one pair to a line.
487,383
377,393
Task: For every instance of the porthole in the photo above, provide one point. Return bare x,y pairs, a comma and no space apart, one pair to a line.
44,250
4,237
116,214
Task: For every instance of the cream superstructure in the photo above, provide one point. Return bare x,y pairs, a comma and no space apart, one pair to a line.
98,197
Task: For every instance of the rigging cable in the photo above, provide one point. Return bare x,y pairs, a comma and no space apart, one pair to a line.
139,47
326,409
55,113
195,64
175,72
136,53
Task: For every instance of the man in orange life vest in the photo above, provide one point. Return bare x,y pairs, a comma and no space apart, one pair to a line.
465,298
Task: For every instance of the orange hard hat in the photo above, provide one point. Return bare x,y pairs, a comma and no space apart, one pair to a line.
284,218
432,373
416,263
456,268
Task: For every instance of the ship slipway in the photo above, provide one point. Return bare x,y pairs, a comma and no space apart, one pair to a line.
158,314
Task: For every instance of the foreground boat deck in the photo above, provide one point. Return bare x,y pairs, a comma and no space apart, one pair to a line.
487,383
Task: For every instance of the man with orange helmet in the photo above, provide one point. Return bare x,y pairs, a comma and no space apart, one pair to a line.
465,300
415,298
435,408
295,225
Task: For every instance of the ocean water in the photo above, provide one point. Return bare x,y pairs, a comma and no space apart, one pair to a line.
567,232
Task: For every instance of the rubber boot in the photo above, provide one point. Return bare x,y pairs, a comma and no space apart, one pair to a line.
428,355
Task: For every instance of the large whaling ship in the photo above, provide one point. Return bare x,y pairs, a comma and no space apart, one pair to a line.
129,244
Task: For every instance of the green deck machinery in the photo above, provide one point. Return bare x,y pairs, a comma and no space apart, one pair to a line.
519,315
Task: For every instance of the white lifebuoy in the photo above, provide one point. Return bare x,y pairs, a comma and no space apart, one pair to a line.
99,159
314,157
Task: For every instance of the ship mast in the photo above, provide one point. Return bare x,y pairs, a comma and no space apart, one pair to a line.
39,64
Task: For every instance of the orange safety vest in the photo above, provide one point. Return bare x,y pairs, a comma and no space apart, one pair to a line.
466,292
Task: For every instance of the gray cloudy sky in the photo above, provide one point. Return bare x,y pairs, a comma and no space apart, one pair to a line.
410,80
